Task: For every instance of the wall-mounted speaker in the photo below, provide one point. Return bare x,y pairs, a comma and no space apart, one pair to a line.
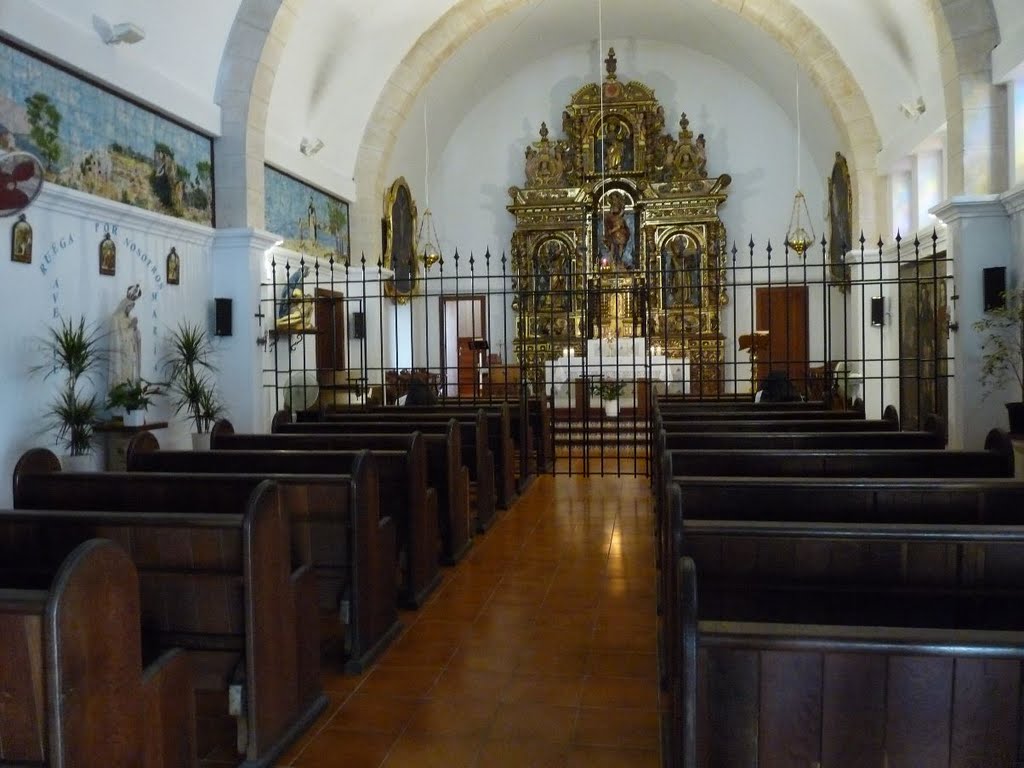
877,310
994,282
358,325
222,317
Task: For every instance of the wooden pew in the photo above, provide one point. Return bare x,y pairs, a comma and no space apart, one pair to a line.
840,694
73,691
515,440
821,426
801,441
216,577
445,470
841,463
497,437
671,413
742,403
405,495
474,457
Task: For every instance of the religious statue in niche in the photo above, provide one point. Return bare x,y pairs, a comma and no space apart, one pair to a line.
295,308
840,221
681,265
615,233
173,267
613,148
108,255
21,241
126,340
400,240
552,276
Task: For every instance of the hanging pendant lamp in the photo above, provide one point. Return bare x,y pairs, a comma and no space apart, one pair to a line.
800,232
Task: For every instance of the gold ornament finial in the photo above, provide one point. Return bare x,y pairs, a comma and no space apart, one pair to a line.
610,64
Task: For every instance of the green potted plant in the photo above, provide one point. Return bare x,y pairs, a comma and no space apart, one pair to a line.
75,351
1002,362
609,390
190,375
133,397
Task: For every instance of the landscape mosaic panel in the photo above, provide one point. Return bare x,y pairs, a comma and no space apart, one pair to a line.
91,140
309,220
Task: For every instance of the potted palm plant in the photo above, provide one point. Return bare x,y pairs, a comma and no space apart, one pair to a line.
75,351
190,375
609,390
133,398
1002,362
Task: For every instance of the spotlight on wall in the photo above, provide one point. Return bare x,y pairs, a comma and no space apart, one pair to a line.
126,32
310,146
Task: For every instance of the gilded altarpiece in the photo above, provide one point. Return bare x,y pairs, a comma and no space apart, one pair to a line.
618,234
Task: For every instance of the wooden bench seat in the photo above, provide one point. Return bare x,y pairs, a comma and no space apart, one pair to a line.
800,441
73,691
819,426
405,495
216,577
670,413
767,693
494,444
474,457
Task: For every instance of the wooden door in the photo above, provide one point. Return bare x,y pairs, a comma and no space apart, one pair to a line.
782,311
467,364
329,321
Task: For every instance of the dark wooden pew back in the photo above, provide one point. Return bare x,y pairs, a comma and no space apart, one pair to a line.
446,471
405,494
72,687
336,527
216,577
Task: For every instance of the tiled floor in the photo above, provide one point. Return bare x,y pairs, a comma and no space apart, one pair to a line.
538,649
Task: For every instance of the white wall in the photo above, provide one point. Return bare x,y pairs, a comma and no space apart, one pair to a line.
63,280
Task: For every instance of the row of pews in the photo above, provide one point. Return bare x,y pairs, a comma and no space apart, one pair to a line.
149,616
835,592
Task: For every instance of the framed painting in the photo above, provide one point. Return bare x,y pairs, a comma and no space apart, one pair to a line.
400,241
21,241
840,222
108,255
173,267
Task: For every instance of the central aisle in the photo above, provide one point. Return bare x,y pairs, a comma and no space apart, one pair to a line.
537,650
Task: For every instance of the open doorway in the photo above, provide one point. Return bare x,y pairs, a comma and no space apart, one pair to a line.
464,344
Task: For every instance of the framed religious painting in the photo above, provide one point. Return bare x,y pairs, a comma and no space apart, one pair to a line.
108,255
173,267
21,241
399,232
840,222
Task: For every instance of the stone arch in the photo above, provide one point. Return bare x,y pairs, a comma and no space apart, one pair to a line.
251,56
976,110
793,29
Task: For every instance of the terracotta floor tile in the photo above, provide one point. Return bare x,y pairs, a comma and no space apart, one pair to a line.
620,728
330,749
462,683
603,757
615,664
374,714
453,717
537,689
528,721
415,750
621,692
519,754
407,682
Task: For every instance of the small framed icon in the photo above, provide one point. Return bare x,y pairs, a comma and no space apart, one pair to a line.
108,255
173,267
21,241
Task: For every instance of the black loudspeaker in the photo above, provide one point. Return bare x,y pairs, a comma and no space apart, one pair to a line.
877,310
222,317
358,325
994,281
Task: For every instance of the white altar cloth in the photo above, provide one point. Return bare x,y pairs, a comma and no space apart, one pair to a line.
561,372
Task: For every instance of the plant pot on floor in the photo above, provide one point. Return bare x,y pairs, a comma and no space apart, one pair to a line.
83,462
611,408
200,441
1016,413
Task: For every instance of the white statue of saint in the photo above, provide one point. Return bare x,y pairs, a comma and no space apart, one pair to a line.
126,347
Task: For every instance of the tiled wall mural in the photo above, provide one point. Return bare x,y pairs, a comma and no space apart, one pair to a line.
310,221
91,140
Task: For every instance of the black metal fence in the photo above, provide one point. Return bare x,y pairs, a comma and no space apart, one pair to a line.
872,327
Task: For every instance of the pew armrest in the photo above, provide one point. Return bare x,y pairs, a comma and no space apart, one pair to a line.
170,714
